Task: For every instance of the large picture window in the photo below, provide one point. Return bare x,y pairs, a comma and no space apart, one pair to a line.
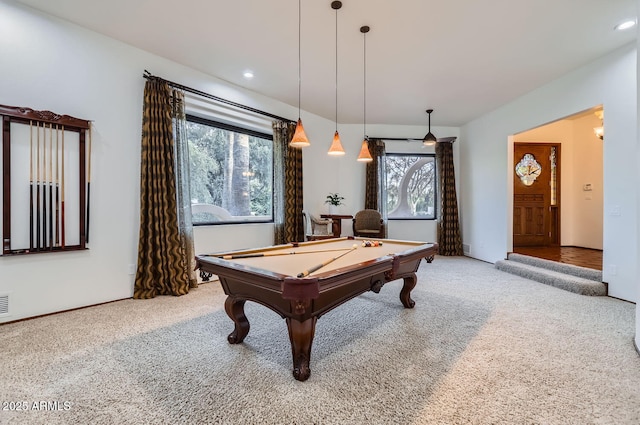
231,173
410,186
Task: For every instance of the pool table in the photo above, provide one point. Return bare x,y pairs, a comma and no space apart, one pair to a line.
302,281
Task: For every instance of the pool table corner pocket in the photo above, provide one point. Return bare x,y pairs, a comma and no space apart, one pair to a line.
300,291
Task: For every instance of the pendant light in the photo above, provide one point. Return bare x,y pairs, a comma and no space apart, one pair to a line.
336,146
599,131
299,139
429,139
365,155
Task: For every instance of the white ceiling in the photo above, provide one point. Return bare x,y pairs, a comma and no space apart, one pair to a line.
463,58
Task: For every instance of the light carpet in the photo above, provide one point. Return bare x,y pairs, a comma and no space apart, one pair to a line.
480,347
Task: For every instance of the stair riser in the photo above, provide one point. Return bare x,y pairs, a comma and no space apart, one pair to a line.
569,283
582,272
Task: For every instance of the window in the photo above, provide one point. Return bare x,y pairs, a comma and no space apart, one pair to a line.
410,186
231,173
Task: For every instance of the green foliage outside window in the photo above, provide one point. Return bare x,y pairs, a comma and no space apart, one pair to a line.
232,170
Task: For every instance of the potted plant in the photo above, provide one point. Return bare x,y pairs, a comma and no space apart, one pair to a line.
334,200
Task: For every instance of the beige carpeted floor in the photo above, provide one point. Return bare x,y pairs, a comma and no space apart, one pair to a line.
480,347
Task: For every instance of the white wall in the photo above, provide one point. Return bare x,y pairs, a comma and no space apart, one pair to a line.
637,192
588,214
610,81
50,64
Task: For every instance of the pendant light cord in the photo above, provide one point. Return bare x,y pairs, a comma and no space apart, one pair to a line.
364,96
299,55
336,69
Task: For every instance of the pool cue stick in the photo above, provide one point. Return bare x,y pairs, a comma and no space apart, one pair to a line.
57,231
88,187
272,254
38,186
62,229
50,186
329,261
30,185
44,185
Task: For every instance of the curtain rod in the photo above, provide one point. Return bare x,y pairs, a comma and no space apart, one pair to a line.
409,139
149,76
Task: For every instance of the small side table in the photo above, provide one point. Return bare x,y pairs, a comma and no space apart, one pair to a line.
336,227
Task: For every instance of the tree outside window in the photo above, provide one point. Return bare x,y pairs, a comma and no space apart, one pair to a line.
410,186
231,173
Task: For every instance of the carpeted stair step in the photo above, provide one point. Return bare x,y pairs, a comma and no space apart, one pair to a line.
568,282
583,272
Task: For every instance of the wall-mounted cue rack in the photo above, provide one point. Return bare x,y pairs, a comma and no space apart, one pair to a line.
46,167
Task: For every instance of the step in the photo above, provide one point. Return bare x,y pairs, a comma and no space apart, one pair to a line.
568,282
583,272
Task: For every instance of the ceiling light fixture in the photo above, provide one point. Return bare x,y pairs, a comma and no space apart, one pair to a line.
248,75
336,146
429,139
365,155
599,131
625,25
299,139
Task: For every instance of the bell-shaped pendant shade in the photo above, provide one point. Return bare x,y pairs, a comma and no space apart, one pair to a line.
429,139
365,155
336,146
299,139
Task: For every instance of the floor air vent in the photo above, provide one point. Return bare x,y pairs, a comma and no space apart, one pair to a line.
4,304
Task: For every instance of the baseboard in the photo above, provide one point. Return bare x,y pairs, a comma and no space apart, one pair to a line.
581,247
62,311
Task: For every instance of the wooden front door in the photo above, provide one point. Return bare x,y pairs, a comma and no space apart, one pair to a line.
535,204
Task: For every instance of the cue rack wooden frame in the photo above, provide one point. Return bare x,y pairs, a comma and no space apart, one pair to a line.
44,189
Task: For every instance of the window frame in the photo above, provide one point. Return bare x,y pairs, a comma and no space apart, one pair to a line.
435,184
191,118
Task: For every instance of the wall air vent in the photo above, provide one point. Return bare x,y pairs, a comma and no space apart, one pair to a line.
4,305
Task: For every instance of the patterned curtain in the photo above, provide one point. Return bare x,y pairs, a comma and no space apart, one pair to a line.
287,190
162,266
449,240
375,186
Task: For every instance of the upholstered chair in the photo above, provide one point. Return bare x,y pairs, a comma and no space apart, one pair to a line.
368,224
317,228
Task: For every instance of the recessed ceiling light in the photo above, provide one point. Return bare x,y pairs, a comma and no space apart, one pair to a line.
248,75
625,25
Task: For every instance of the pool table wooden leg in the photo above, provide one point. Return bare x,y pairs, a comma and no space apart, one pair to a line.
235,310
405,294
301,337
